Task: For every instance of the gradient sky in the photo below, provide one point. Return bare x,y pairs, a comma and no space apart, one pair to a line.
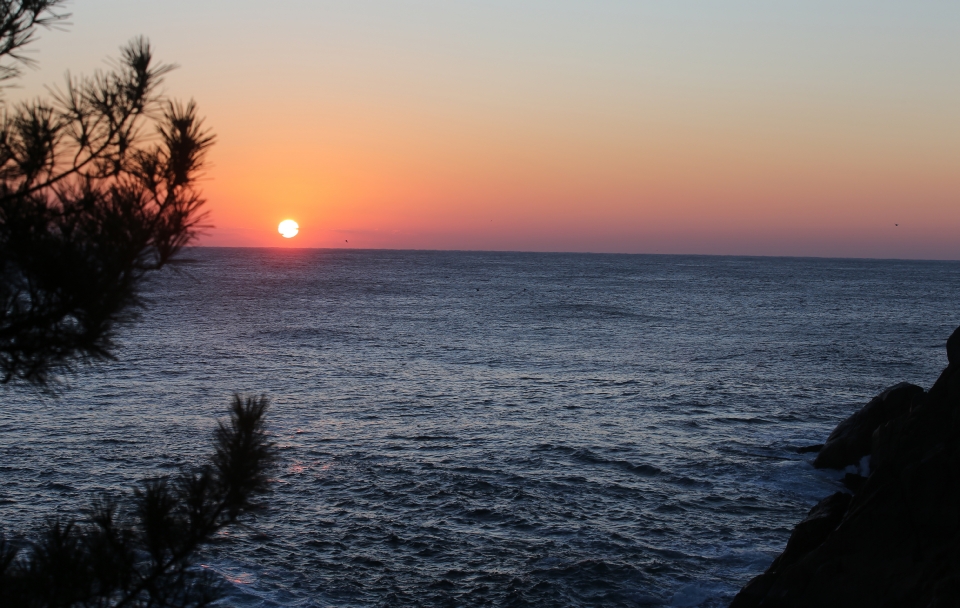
726,127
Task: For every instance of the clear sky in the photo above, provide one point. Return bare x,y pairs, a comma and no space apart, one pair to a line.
801,127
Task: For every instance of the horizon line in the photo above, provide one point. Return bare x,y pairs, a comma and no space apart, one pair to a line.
598,253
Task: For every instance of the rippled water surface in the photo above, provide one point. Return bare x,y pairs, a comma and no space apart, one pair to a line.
492,428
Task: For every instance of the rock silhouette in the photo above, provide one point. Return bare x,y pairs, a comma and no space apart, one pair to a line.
897,541
853,438
808,535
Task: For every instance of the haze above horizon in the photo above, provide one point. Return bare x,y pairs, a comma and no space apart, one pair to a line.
813,128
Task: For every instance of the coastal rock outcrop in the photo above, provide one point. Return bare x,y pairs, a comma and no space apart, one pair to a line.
853,438
808,535
897,541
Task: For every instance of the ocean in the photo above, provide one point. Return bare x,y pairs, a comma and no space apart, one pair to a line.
502,429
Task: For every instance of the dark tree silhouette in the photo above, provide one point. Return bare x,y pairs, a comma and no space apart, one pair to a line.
97,189
143,556
91,200
18,25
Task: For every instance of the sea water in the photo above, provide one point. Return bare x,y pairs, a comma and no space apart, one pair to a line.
519,429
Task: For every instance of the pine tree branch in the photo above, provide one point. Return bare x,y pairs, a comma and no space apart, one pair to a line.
97,564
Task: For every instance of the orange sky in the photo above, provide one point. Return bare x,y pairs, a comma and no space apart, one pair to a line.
689,127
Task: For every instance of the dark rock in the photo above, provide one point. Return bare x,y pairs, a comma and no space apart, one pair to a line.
853,438
853,481
898,541
807,536
953,347
810,448
810,533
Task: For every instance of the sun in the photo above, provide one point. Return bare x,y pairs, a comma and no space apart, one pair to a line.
288,229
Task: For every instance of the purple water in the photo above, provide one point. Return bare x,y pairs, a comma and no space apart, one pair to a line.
492,428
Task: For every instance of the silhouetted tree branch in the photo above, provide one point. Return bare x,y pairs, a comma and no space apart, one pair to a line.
97,190
142,556
19,20
91,200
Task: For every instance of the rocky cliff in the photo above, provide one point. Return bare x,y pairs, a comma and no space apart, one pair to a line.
895,541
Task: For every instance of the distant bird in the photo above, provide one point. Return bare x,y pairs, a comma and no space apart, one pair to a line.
345,241
896,224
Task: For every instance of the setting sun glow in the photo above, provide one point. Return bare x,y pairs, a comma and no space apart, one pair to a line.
288,229
744,127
